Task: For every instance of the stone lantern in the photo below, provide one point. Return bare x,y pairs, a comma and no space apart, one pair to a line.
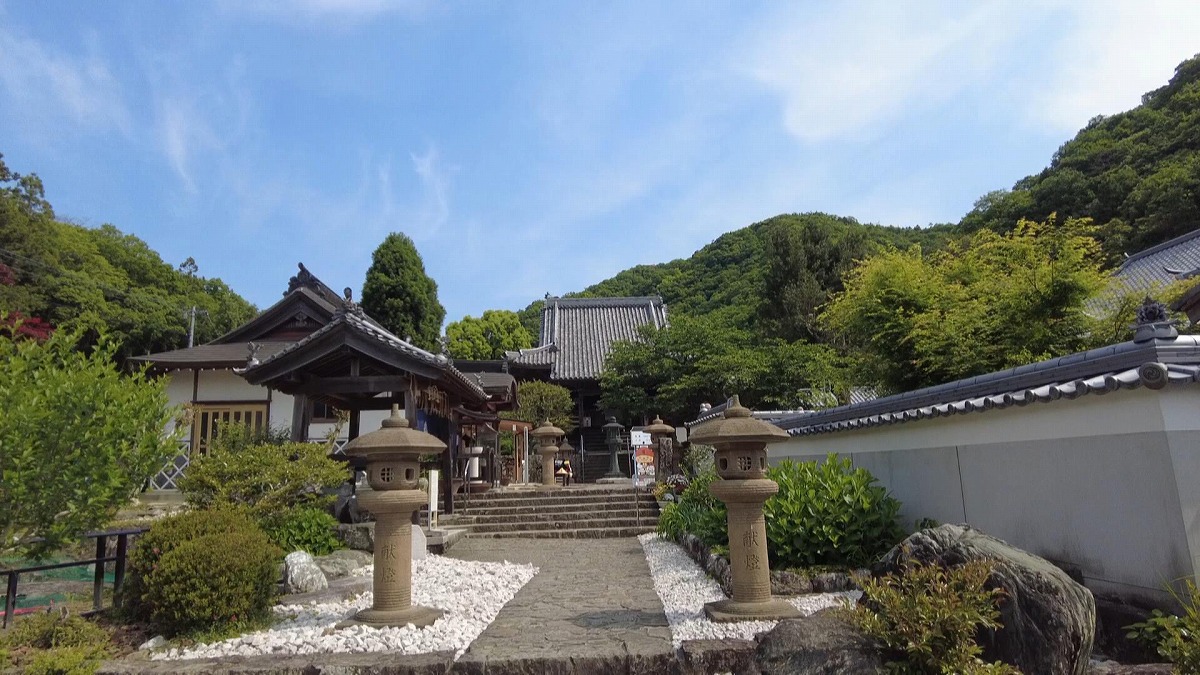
392,457
659,430
547,436
741,460
612,437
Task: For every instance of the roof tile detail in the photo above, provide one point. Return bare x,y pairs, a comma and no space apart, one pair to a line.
578,333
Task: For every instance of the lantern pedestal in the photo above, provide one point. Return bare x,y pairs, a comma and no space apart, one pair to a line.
392,581
548,452
751,599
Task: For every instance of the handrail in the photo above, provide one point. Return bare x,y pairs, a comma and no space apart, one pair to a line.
122,535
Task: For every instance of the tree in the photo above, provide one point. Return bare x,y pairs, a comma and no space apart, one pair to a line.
77,439
487,337
398,294
540,401
983,304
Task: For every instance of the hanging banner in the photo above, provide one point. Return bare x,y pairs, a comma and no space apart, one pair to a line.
643,465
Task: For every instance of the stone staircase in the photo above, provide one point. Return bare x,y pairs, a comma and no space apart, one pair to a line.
576,512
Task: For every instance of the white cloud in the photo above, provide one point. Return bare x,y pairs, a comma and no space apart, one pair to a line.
183,133
846,73
318,13
1110,55
49,89
434,210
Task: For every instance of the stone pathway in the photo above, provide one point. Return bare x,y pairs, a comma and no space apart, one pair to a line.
591,608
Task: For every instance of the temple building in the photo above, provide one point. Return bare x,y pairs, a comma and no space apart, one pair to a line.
316,364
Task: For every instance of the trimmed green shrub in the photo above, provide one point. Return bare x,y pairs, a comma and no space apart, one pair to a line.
214,581
48,630
697,512
66,661
163,537
310,530
269,478
829,514
1175,638
926,618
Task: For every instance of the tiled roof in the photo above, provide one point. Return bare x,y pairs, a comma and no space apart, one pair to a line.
578,333
359,323
1171,260
226,355
1154,363
717,410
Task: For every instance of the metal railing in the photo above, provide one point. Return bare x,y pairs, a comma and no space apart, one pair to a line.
119,559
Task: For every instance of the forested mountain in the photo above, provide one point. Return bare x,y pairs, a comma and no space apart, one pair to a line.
1135,174
800,256
101,279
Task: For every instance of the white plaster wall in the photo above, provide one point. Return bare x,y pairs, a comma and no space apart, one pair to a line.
1097,482
179,391
225,385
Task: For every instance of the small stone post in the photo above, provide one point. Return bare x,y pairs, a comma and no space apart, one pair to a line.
547,436
392,457
741,459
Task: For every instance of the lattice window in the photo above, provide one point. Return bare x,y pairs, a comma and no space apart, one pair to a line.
209,416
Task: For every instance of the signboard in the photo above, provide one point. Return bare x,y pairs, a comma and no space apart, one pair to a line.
637,438
643,466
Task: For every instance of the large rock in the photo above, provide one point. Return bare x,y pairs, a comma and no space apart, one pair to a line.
359,536
1049,621
819,644
301,574
342,563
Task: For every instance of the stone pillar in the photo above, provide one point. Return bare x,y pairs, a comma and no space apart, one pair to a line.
741,458
392,457
547,436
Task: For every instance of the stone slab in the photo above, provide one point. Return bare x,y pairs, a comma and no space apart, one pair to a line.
591,608
380,663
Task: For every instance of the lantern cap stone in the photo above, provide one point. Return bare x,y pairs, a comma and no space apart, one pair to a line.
566,446
737,425
658,427
547,431
613,424
394,436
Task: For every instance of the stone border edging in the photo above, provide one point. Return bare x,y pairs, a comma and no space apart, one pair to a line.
783,582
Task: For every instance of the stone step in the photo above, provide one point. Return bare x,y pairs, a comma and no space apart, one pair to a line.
552,498
546,514
565,507
538,526
585,533
539,491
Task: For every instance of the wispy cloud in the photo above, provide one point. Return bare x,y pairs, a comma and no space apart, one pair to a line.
1109,53
319,13
844,73
434,209
52,91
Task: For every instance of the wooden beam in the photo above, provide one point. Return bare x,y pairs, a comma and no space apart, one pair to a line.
369,384
355,420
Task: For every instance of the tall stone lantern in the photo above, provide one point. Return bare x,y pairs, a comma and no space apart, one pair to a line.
659,430
392,454
612,438
741,459
547,436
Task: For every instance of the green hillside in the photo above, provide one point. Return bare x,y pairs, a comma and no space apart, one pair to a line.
1136,174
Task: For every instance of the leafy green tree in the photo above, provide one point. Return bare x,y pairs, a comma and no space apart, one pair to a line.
487,337
399,295
77,439
540,401
984,304
101,280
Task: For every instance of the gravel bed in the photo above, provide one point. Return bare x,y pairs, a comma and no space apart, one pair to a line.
683,587
471,593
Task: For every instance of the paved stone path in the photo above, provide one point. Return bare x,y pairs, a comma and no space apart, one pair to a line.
591,608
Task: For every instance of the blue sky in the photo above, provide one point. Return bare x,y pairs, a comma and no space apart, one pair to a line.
538,147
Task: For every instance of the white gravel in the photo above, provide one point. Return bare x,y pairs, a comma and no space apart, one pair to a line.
471,593
683,587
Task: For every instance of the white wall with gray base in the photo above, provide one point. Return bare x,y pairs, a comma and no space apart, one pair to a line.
1110,484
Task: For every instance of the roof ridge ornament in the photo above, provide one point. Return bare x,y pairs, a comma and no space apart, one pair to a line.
1153,322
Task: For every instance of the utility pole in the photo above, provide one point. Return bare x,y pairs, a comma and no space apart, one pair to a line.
191,314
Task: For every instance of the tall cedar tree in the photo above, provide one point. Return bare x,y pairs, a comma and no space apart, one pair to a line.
399,295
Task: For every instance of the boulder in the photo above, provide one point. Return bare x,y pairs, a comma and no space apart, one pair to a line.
359,536
342,563
301,574
156,642
818,644
1049,620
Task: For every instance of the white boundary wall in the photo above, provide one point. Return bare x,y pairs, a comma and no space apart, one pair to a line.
1109,483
